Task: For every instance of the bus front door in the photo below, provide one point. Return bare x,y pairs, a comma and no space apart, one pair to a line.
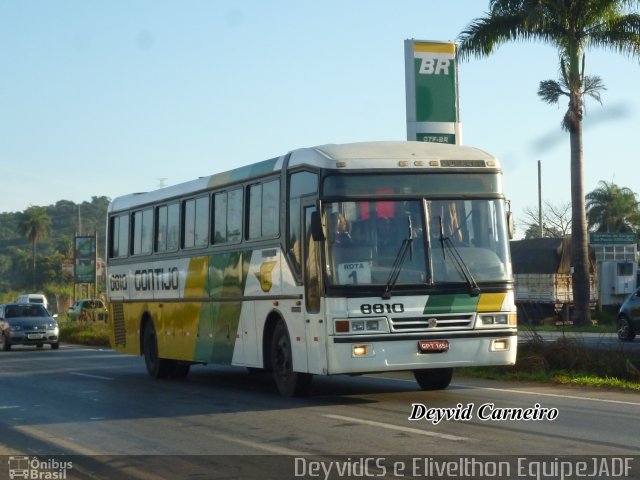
314,318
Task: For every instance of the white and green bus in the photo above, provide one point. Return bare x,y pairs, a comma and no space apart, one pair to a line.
337,259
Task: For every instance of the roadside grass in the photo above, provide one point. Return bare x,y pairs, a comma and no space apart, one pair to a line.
95,334
604,321
567,361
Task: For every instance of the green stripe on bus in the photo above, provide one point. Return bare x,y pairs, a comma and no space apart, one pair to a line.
458,303
218,326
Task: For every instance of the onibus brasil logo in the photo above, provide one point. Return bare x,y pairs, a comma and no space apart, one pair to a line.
37,469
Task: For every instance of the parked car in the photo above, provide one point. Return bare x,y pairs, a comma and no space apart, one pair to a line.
629,317
27,324
88,309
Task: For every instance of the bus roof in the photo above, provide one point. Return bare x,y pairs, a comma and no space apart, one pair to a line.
362,155
395,151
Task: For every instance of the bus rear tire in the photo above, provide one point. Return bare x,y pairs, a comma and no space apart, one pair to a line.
433,378
289,383
156,367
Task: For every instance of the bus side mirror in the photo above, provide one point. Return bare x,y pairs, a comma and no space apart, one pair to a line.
317,232
511,226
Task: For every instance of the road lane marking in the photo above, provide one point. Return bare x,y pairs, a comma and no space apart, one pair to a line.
99,377
7,407
260,446
400,428
525,392
573,397
50,438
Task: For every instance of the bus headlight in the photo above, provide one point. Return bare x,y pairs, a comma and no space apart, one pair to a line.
361,326
357,326
496,320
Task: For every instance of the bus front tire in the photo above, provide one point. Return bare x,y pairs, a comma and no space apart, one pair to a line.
289,383
433,378
156,367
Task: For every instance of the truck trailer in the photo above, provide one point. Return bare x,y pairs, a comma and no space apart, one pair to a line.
542,276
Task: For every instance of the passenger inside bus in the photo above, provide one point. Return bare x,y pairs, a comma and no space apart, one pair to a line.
340,229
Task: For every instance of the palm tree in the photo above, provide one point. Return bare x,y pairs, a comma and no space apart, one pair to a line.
34,224
571,26
611,209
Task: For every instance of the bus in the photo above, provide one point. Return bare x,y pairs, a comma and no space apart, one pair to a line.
337,259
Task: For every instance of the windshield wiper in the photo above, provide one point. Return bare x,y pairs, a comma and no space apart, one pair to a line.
461,266
405,248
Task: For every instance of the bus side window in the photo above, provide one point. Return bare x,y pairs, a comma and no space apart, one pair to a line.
312,266
300,184
295,243
119,236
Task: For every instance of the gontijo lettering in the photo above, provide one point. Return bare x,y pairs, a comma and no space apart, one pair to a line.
156,279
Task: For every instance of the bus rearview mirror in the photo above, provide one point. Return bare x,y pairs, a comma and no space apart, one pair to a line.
317,232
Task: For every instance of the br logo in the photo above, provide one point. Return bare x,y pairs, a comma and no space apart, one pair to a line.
434,66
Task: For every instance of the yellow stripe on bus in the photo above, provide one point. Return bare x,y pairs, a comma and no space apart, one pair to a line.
196,277
491,302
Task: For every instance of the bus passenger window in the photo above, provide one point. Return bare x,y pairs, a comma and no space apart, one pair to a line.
119,232
196,222
167,221
234,215
219,218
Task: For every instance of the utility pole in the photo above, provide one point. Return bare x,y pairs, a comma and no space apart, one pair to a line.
540,198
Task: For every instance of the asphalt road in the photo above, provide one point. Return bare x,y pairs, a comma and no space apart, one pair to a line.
100,409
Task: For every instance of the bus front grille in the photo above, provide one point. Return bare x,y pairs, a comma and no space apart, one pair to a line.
431,323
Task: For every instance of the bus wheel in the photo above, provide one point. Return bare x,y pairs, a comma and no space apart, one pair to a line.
289,383
156,367
434,378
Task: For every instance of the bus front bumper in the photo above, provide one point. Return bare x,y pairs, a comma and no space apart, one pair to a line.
394,352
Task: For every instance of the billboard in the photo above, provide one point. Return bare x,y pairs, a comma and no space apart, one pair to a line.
85,259
431,77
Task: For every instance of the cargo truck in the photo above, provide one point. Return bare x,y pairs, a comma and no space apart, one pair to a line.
542,275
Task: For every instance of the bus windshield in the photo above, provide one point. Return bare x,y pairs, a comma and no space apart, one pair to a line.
416,242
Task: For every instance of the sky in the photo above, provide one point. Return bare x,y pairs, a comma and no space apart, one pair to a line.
110,98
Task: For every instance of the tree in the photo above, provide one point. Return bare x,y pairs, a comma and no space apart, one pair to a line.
571,26
611,209
34,224
556,221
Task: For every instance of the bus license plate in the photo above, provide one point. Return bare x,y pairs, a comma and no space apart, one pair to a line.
433,346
